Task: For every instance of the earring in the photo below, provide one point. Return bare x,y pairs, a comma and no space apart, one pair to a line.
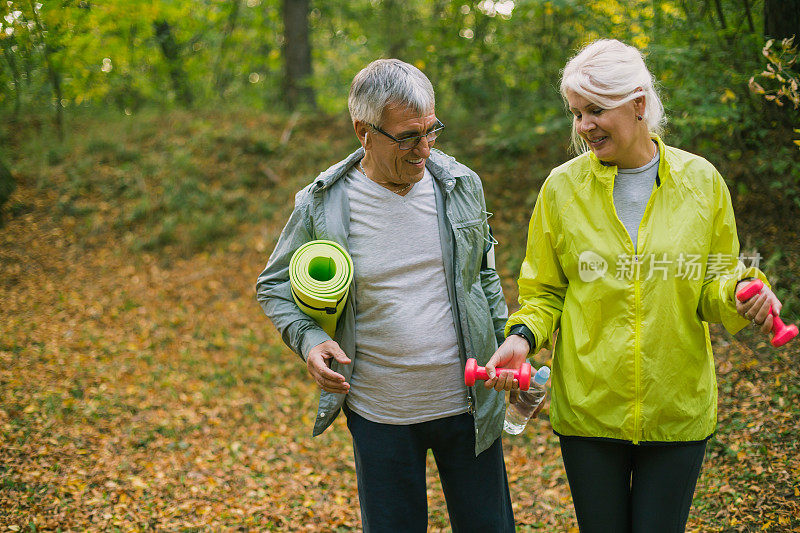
639,117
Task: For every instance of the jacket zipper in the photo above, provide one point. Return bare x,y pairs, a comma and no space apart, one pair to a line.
637,364
630,246
637,323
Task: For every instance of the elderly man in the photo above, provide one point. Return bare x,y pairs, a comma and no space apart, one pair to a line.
423,299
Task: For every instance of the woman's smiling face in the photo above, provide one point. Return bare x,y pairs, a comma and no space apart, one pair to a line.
614,135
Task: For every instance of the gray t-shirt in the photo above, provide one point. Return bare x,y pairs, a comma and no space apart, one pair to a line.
407,367
632,189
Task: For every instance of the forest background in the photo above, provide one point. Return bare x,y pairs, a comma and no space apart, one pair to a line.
149,154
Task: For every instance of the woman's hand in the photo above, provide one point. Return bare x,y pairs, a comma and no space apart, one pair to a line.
757,308
511,354
319,366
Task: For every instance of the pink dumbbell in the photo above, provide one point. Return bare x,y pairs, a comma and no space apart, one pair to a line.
473,372
781,333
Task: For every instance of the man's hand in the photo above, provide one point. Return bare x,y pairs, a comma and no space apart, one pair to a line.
319,366
511,354
757,308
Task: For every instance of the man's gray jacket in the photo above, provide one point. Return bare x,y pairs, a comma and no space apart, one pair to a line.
322,211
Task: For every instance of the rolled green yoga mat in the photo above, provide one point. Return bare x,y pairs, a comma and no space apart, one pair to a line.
320,273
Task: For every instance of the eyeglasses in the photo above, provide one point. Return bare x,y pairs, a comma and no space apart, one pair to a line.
408,143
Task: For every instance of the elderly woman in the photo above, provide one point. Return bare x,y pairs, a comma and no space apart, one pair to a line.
414,221
632,251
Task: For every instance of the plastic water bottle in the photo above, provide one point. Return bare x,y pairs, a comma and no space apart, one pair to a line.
520,411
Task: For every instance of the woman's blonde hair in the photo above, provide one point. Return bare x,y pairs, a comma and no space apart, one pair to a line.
609,73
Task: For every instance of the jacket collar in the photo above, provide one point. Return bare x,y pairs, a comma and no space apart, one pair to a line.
328,177
445,169
607,173
441,166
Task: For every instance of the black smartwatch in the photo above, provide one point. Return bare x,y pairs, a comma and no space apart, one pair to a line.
523,331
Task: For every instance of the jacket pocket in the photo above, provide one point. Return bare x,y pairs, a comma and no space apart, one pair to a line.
468,250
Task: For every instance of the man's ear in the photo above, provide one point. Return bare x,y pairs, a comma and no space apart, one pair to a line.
362,130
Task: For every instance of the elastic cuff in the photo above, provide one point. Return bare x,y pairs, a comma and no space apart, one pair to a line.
523,331
312,337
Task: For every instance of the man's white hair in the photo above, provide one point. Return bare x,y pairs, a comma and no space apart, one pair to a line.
609,73
389,82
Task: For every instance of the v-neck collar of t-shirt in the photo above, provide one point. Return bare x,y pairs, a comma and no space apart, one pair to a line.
392,196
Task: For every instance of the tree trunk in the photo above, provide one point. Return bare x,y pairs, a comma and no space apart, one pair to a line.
749,14
687,12
53,73
297,54
781,19
15,74
222,77
720,14
172,53
394,32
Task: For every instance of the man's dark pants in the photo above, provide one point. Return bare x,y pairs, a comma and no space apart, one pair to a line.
390,469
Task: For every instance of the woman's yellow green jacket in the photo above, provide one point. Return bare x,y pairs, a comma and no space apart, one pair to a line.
633,359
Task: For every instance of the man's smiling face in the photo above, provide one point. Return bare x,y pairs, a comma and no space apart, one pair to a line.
387,162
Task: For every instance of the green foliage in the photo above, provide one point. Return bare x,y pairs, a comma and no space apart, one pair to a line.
780,76
108,53
179,180
490,61
495,66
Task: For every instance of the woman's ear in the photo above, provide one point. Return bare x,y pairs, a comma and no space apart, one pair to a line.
639,105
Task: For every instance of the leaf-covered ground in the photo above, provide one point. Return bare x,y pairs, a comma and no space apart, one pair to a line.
142,388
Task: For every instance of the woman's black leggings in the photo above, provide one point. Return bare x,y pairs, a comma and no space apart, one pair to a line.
619,487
